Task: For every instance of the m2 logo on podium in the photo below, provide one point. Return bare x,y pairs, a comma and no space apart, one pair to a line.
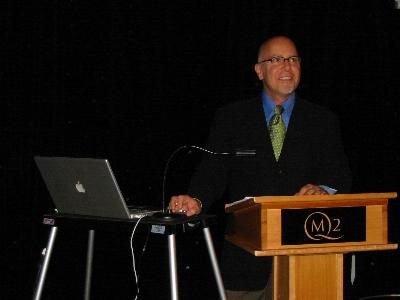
323,225
319,226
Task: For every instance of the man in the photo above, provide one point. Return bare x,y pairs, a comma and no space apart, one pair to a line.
311,160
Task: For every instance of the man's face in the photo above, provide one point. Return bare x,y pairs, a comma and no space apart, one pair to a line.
279,79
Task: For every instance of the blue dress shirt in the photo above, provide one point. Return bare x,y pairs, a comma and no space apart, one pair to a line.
269,106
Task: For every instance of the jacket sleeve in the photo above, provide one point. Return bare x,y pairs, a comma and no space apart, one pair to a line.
209,180
334,170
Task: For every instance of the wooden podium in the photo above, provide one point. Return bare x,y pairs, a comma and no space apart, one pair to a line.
307,236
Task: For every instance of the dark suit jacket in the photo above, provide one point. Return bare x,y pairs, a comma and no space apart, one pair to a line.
312,153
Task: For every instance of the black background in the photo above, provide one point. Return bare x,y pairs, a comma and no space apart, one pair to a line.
133,80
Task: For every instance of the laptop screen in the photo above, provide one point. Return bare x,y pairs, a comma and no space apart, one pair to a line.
82,186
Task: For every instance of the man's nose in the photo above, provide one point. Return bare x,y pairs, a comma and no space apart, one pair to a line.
286,64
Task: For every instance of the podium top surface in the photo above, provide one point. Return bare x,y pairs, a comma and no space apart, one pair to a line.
309,200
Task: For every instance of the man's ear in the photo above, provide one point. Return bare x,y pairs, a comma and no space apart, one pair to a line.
257,68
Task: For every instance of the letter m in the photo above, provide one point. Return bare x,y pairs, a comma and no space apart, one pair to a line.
317,228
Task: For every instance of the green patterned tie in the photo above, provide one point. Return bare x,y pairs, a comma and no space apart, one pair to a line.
277,131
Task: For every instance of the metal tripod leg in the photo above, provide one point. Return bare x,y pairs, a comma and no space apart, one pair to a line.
45,265
214,262
173,273
89,263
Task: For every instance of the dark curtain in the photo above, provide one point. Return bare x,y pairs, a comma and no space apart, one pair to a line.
133,80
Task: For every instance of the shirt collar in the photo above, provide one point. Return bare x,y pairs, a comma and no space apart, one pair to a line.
269,106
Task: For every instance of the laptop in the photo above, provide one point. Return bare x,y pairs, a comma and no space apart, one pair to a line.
86,186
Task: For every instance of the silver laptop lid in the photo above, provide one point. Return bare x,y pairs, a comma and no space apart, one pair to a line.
82,186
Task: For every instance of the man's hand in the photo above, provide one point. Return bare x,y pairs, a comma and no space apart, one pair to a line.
311,189
185,204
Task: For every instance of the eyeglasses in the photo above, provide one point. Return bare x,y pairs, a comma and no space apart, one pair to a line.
275,60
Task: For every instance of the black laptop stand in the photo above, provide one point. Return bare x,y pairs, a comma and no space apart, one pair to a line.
167,227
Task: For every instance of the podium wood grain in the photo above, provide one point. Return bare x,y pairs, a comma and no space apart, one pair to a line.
311,270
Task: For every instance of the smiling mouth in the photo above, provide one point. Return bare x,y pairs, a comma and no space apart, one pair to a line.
285,78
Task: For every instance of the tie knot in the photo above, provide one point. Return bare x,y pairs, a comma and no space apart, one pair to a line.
278,109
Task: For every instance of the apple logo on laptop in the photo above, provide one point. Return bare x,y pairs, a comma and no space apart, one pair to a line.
80,188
